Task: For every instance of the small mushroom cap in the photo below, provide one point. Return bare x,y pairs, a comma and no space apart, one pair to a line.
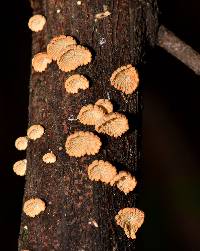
130,219
21,143
58,44
124,181
100,170
90,114
113,124
40,61
76,82
49,158
125,79
82,143
105,104
35,132
33,207
20,167
36,23
73,57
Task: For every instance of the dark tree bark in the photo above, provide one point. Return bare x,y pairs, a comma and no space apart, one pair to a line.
72,199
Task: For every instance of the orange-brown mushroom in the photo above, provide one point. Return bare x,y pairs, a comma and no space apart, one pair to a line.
113,124
76,82
58,44
20,167
73,57
125,79
103,171
36,23
40,61
130,219
35,132
82,143
90,114
21,143
124,181
49,158
33,207
105,104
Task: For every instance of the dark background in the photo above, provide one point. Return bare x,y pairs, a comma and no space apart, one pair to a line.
171,187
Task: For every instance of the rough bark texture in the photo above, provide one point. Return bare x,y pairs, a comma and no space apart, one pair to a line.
72,199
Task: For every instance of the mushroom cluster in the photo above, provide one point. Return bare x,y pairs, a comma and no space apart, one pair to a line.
69,56
65,51
101,116
104,171
34,206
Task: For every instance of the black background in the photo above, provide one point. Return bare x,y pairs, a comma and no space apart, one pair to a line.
170,188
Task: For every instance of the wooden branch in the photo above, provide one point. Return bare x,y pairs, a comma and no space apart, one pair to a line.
179,49
72,200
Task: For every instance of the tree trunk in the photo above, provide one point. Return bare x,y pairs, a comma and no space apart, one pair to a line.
72,200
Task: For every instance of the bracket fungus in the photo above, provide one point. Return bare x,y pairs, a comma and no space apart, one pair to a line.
82,143
100,170
124,181
35,132
20,167
40,61
76,82
90,114
73,57
21,143
33,207
58,44
49,158
125,79
105,104
130,219
113,124
36,23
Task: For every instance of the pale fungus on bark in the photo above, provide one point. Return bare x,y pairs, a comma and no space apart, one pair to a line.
76,82
58,44
20,167
82,143
130,219
94,223
73,57
105,104
21,143
36,23
33,207
90,114
124,181
102,15
103,171
49,158
40,61
125,79
113,124
35,132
